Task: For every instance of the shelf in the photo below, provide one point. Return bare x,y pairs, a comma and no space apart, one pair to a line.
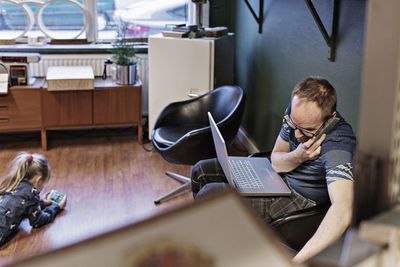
260,18
331,40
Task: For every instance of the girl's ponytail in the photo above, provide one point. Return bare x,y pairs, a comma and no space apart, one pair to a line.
25,166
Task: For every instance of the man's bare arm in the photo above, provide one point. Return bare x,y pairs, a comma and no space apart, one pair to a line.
335,222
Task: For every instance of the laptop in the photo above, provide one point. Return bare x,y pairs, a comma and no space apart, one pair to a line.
250,176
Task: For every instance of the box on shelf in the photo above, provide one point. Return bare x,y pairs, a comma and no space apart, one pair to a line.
65,78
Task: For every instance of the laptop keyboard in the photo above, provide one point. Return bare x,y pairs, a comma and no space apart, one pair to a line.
244,174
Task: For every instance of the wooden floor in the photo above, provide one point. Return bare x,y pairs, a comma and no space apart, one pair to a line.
110,181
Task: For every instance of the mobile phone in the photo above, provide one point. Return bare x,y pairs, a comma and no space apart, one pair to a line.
56,197
326,128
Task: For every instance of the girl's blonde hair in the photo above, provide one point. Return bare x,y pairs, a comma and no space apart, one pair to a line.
25,166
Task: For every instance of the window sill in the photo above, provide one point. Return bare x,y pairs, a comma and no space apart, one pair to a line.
141,48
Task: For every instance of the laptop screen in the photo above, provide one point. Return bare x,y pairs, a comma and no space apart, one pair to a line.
220,148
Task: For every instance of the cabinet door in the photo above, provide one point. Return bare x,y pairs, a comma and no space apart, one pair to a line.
67,108
117,105
20,109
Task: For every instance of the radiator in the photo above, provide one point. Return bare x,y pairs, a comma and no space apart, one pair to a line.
97,62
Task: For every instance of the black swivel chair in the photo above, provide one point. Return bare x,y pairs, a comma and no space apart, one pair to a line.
182,133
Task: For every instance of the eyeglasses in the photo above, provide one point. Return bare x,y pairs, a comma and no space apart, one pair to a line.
306,132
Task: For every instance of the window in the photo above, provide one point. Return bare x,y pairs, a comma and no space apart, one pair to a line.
147,17
70,19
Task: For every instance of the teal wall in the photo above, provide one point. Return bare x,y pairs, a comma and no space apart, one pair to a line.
290,48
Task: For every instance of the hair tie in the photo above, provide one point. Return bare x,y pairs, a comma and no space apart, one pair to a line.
30,158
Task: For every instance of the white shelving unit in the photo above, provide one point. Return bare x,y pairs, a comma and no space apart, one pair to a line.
182,68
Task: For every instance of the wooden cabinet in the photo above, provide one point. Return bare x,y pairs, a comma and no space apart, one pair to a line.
20,109
35,108
67,108
109,104
116,105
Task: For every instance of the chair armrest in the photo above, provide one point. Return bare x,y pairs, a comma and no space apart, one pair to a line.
301,214
178,113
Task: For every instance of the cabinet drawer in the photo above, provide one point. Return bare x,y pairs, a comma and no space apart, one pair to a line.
117,105
20,109
67,108
3,110
4,113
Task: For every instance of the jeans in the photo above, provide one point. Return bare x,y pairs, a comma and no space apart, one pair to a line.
208,178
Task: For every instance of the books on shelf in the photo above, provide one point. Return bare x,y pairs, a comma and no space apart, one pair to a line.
375,244
216,31
350,250
176,34
381,228
194,32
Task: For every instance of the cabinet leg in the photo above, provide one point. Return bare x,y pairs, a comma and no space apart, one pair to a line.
44,139
140,134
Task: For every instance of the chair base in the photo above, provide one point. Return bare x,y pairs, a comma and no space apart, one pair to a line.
185,186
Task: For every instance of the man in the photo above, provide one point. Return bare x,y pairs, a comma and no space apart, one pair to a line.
317,171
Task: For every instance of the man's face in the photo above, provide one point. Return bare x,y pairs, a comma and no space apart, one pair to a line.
307,118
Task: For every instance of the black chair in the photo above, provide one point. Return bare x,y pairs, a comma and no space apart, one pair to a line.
295,228
182,133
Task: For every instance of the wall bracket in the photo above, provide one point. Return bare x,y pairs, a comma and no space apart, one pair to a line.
260,18
331,41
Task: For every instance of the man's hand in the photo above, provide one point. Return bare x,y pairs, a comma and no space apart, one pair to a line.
309,150
284,160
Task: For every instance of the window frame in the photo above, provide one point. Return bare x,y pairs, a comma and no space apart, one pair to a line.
92,32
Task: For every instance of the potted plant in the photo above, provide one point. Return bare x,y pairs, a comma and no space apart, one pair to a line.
124,56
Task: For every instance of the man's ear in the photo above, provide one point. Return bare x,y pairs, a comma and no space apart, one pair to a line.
334,114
